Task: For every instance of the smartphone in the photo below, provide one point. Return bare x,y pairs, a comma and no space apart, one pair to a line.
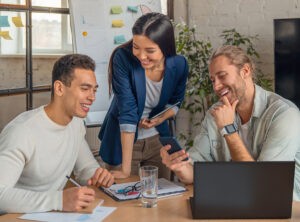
168,140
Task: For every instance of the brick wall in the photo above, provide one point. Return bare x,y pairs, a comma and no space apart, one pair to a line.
250,17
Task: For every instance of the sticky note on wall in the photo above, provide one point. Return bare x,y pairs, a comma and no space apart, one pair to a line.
116,10
132,8
4,21
5,35
17,21
117,23
119,39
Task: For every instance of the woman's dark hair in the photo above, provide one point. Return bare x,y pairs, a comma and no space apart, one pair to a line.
63,68
155,26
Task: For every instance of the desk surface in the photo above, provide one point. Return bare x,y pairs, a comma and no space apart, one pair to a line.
174,208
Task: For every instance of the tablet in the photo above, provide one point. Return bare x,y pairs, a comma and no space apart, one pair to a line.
165,110
175,147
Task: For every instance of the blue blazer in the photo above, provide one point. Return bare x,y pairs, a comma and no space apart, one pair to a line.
129,87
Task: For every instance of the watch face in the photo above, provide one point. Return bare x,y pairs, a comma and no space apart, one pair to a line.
230,128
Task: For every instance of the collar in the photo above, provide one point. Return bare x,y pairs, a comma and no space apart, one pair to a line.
260,102
259,106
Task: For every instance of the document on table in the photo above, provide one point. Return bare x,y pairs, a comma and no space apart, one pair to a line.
99,213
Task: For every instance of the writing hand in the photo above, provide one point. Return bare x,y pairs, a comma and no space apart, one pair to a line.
77,198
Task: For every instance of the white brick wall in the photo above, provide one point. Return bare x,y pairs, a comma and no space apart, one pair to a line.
250,17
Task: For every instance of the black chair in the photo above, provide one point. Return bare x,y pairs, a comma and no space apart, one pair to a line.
172,127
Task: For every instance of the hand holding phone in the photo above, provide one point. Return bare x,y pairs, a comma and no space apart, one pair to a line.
175,147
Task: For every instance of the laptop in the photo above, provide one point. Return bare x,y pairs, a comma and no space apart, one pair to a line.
243,190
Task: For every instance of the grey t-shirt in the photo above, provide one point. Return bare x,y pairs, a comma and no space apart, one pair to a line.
153,91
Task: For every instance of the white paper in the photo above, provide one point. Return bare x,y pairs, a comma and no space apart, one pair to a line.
99,213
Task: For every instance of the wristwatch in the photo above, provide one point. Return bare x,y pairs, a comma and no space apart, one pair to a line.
228,129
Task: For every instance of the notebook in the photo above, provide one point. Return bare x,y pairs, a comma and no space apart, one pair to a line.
243,190
165,188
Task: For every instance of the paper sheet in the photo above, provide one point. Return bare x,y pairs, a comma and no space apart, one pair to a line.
119,39
5,35
98,214
117,23
4,21
17,21
132,8
116,10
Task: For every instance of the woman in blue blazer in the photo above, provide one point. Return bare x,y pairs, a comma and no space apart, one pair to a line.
146,76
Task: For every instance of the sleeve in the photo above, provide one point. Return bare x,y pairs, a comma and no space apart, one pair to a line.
16,147
179,91
175,108
122,88
283,140
86,164
201,147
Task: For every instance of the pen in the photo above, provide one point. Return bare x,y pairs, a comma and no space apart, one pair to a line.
73,181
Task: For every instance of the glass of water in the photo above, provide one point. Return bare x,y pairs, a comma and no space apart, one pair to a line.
149,182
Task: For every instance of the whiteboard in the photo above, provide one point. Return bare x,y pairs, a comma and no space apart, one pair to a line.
93,35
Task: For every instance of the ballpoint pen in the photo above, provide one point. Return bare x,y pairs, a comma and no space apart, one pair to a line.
73,181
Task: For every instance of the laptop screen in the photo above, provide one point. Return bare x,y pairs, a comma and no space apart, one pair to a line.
243,189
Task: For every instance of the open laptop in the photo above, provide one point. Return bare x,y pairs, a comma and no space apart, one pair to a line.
243,190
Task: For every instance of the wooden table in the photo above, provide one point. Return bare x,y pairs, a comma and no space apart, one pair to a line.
174,208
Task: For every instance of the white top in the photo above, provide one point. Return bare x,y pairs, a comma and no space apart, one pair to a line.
246,136
36,154
153,91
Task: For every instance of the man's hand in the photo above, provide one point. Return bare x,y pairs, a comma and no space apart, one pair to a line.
77,198
174,161
224,113
120,174
101,178
147,124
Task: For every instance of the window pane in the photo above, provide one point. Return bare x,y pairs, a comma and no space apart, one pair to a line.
11,106
12,72
10,43
49,33
46,31
40,99
12,59
13,2
52,3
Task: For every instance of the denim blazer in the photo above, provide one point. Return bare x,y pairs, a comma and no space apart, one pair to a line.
127,106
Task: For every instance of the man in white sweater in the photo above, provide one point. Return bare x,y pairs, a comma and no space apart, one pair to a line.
39,148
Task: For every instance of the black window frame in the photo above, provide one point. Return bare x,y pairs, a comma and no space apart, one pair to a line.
29,89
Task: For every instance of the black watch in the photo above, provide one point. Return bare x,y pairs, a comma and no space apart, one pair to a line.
228,129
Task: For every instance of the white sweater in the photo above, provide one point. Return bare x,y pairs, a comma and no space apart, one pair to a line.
36,154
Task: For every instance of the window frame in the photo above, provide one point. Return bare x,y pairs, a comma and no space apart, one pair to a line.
29,9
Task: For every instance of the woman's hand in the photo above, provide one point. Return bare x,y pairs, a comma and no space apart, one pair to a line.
147,124
119,174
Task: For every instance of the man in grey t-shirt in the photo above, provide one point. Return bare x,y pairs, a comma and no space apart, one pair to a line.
247,124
